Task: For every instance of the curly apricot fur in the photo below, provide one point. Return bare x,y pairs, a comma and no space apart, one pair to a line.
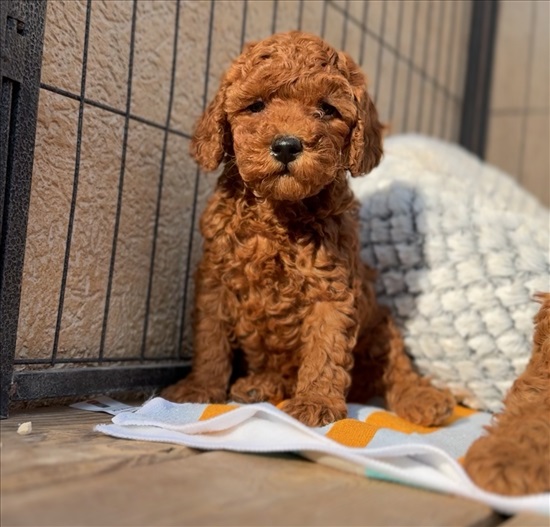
514,456
280,277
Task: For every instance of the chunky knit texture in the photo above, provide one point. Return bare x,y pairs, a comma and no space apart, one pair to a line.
461,249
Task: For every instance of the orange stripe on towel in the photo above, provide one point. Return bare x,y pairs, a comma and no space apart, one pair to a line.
353,433
213,410
393,422
462,411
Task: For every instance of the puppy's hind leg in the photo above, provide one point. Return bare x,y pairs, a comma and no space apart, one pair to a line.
383,368
212,356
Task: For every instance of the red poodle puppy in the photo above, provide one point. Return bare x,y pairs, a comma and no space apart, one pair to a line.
281,279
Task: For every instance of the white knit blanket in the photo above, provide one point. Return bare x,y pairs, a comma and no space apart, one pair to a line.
460,249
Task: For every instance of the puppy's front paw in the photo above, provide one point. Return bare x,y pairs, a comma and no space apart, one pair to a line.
188,390
316,411
424,405
255,388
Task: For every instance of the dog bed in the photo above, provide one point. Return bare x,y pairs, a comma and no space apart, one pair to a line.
460,249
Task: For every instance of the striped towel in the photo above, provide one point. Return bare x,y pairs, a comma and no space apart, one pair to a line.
370,442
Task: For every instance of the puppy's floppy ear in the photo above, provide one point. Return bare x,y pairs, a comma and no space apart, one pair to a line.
365,148
212,137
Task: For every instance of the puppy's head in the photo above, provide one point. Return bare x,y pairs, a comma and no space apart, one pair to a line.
295,114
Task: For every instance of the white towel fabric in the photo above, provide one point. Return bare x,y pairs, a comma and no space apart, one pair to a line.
460,249
392,449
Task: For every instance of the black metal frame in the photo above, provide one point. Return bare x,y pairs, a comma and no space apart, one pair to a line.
22,27
475,110
21,36
32,385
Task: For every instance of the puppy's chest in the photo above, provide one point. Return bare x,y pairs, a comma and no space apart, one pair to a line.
274,275
259,264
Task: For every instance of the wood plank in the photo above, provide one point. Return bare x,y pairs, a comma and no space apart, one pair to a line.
63,447
527,520
226,488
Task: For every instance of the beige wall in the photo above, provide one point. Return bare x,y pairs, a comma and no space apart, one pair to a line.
413,53
519,122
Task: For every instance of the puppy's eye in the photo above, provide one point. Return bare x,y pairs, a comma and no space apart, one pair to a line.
256,107
328,110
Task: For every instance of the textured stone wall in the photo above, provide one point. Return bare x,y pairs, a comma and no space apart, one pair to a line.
112,238
519,116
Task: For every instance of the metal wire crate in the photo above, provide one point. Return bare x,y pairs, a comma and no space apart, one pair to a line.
431,67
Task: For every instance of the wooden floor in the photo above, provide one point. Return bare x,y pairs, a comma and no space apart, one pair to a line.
64,473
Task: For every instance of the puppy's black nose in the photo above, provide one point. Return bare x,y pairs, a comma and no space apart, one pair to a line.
286,148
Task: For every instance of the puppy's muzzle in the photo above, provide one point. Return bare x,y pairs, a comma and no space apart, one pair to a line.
286,148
